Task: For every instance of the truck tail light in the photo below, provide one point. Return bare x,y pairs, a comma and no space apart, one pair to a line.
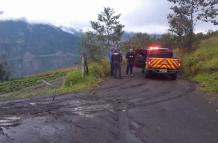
179,63
148,63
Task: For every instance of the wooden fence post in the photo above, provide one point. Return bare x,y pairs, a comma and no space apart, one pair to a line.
83,65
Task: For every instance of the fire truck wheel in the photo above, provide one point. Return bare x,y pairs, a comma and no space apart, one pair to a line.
174,76
147,74
143,71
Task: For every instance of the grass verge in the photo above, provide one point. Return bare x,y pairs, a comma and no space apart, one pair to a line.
202,65
74,81
63,81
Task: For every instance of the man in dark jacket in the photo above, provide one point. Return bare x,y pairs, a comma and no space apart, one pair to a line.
130,62
116,60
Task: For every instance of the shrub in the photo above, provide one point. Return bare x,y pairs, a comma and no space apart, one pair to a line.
97,71
73,78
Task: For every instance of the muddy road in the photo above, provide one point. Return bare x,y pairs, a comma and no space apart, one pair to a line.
131,110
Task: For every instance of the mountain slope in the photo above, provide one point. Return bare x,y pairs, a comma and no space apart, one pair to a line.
33,48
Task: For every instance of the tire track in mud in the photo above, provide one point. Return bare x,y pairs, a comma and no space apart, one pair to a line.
163,96
126,135
144,93
43,106
121,83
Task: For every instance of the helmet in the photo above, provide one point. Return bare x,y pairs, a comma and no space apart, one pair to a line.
112,49
116,50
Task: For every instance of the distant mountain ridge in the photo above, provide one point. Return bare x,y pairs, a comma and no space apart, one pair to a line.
77,32
34,48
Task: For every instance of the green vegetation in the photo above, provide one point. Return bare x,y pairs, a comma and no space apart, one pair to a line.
20,83
73,81
4,74
63,81
202,64
186,14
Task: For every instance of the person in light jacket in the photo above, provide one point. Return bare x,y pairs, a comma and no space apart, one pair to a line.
111,50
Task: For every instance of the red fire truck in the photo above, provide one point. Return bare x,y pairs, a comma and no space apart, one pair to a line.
156,60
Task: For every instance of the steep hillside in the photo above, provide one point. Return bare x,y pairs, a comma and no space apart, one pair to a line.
33,48
202,64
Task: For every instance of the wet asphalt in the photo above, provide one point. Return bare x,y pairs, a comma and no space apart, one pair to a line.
130,110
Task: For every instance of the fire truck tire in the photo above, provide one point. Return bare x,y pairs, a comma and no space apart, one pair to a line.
174,76
143,71
147,74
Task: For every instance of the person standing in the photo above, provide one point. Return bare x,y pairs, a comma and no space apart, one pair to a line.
110,59
130,62
116,60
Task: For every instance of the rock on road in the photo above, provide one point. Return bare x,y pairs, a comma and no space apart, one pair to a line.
131,110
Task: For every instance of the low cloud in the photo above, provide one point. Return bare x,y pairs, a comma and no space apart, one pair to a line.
138,16
151,17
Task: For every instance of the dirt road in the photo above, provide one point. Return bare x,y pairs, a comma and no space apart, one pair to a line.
131,110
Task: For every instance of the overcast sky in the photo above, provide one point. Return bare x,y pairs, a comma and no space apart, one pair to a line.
137,15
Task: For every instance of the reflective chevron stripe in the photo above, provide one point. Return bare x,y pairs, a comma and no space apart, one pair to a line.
164,63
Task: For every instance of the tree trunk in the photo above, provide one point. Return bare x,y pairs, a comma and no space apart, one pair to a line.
190,44
190,41
83,66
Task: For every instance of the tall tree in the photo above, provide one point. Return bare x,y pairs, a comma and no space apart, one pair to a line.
180,26
167,40
139,40
107,27
186,14
106,32
91,45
